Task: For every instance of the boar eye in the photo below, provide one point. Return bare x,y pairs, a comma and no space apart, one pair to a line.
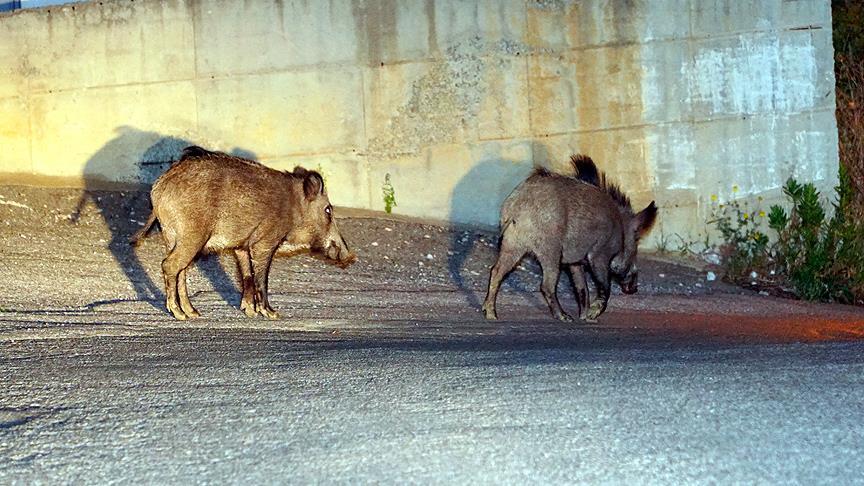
328,210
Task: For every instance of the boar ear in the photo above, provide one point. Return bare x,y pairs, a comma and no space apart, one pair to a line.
643,221
313,184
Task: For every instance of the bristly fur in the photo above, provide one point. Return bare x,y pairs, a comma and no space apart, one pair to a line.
541,171
194,151
586,171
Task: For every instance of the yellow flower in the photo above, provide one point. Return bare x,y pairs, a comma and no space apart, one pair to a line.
759,198
761,214
746,216
735,188
713,197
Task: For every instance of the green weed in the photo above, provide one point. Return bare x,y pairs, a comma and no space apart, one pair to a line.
389,194
745,245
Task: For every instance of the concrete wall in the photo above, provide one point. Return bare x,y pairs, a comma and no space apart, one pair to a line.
677,99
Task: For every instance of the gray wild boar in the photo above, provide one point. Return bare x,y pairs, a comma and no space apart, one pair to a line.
211,201
583,222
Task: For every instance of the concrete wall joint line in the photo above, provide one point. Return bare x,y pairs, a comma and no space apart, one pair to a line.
667,40
132,84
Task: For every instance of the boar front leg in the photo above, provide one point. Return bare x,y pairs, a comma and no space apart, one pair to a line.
262,258
244,266
600,272
580,288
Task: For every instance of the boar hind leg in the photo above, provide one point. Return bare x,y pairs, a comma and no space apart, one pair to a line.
551,270
507,259
600,272
179,257
580,288
262,258
183,293
244,265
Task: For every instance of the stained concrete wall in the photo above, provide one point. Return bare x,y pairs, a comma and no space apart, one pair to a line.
457,100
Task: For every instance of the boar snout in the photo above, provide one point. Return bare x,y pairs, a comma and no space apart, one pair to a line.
336,249
630,283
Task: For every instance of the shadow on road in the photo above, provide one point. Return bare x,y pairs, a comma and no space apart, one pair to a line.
475,197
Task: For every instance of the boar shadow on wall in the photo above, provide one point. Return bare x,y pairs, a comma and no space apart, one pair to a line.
476,200
139,157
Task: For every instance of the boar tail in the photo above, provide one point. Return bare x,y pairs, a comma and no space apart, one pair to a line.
504,225
586,169
135,240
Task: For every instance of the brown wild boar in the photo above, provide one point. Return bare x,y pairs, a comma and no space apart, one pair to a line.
211,201
583,222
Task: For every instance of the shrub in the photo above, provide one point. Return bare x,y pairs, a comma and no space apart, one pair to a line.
822,259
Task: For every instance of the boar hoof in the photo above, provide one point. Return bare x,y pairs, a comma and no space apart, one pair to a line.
267,312
594,312
564,317
178,314
490,314
248,308
191,312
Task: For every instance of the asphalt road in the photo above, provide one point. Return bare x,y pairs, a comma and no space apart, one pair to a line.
428,402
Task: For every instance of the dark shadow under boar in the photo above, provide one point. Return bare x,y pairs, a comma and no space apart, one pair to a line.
210,201
582,222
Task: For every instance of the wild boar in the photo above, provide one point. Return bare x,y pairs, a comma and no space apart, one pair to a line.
210,201
583,222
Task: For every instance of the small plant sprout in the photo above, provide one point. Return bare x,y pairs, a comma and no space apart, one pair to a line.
388,194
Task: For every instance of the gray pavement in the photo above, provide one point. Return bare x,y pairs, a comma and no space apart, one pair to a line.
526,402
